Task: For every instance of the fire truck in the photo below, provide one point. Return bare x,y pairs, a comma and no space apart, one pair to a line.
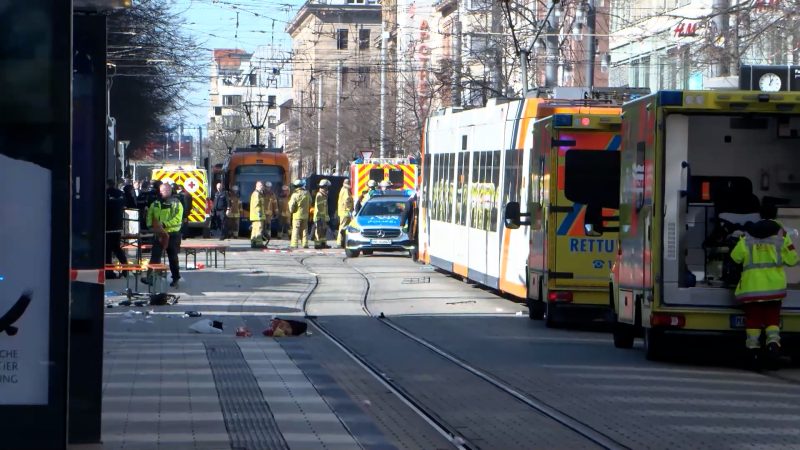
695,168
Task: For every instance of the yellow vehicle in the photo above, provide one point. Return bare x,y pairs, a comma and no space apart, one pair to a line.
195,183
571,248
696,166
400,172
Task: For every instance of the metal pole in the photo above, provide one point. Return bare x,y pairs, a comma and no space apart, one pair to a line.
523,68
300,135
497,58
721,22
456,88
180,141
383,92
200,145
592,47
338,105
319,123
551,66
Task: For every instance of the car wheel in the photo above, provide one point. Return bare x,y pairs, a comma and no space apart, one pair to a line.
351,253
655,344
536,309
624,334
550,315
367,252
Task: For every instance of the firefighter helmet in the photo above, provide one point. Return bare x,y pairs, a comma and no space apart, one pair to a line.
371,183
324,183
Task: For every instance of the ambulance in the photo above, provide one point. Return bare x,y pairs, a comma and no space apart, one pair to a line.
400,172
695,168
195,183
571,250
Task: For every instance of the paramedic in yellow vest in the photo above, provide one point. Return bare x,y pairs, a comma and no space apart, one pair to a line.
321,215
234,212
283,210
344,209
763,252
165,217
257,216
298,208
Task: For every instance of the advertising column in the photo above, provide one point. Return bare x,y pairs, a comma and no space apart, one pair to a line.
35,148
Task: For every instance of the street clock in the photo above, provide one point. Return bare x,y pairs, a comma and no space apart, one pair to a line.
769,78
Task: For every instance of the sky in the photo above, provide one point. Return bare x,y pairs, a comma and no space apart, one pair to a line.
213,24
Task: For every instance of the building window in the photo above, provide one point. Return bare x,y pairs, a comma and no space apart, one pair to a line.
231,100
355,2
218,110
363,76
341,39
478,44
253,79
363,39
232,122
271,100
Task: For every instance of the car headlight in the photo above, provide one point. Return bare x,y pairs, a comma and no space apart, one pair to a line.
351,229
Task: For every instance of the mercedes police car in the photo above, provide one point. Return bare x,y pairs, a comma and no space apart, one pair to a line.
381,224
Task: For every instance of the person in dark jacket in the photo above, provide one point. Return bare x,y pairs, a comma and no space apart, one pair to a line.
186,201
130,199
221,206
115,207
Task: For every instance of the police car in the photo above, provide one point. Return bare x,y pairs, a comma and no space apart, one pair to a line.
381,225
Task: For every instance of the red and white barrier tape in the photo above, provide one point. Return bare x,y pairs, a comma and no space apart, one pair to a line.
88,276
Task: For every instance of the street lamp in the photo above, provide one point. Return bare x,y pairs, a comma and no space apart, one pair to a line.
253,110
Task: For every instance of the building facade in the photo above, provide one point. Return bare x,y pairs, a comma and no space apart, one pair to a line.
245,92
336,84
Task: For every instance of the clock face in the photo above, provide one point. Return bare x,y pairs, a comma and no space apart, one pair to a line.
769,82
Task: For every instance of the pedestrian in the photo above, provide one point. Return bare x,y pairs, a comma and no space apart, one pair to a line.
321,215
186,201
257,216
344,210
165,216
221,206
763,251
372,186
128,196
298,208
283,210
137,189
271,210
234,212
115,208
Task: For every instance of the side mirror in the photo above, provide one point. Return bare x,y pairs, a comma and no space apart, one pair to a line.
511,215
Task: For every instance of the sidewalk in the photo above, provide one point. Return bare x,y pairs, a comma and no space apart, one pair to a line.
167,387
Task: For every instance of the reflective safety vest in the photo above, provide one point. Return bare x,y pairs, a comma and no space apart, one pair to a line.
345,204
321,207
257,212
169,213
763,277
298,204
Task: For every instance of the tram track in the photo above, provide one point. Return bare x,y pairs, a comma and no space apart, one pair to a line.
447,430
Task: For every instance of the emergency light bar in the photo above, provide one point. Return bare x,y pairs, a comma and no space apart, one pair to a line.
710,100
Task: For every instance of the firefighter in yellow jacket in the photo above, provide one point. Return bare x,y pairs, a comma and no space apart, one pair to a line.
271,210
344,209
321,215
763,252
298,208
257,216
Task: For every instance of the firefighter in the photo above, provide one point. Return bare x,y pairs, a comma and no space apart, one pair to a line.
298,208
234,212
763,251
283,210
372,188
257,216
321,215
385,185
344,210
271,210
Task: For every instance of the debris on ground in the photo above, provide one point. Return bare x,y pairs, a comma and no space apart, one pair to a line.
243,332
192,314
207,326
285,327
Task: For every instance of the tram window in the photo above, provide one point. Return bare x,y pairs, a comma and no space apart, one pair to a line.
376,174
511,174
426,177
